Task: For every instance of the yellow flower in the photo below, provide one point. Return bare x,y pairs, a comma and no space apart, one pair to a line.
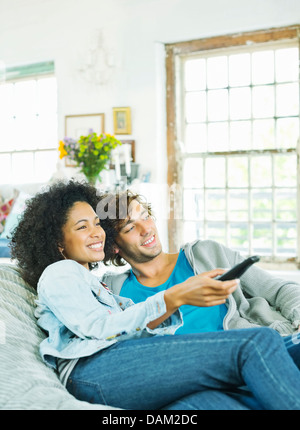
62,150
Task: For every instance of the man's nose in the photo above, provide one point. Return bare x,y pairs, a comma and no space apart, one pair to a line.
144,229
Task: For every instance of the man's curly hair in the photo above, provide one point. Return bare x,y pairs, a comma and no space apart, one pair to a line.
35,240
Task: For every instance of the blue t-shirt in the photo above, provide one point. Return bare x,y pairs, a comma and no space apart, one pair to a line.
196,319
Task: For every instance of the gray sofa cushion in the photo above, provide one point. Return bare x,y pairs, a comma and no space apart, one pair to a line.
25,381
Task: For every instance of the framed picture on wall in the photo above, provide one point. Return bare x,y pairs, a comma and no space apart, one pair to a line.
122,120
80,125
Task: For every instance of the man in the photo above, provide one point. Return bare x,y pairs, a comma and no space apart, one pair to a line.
259,300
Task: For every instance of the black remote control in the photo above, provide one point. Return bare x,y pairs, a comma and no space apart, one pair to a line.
238,270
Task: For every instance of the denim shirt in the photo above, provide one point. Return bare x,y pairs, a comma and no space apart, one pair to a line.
82,316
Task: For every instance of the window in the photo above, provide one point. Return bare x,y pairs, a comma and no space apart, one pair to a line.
237,124
28,124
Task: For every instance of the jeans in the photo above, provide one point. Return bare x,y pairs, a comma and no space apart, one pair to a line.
244,396
193,371
292,344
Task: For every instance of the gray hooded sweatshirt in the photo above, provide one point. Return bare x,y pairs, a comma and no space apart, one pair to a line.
260,300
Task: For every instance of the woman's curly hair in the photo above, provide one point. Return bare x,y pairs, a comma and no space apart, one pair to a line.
35,240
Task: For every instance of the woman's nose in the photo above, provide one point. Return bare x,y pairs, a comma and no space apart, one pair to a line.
98,231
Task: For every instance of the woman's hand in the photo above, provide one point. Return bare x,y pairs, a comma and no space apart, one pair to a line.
201,290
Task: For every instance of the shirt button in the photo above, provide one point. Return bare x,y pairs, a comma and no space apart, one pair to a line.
138,329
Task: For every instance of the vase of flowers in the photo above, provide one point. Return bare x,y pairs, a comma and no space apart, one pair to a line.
90,153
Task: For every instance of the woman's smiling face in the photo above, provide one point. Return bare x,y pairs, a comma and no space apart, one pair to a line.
84,237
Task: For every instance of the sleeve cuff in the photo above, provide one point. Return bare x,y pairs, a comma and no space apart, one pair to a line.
156,307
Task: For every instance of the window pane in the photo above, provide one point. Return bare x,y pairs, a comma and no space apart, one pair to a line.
49,138
196,138
26,132
193,173
217,101
5,171
215,205
287,132
262,205
193,204
287,64
218,137
261,171
285,170
195,75
193,231
216,231
239,237
239,70
286,204
26,98
6,100
287,99
238,172
47,96
286,239
215,172
238,205
22,168
262,239
217,72
240,135
7,134
263,67
240,103
263,102
195,107
263,134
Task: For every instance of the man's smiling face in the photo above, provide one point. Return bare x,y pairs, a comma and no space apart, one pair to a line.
138,240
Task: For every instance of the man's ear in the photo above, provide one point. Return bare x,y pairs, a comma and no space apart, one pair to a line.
116,249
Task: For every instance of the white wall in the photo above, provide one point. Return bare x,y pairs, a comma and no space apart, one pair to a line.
134,32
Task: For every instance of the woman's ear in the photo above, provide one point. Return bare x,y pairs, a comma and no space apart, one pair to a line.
61,250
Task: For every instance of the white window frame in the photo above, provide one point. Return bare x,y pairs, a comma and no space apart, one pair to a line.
175,125
17,74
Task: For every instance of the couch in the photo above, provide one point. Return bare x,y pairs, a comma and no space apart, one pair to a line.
26,383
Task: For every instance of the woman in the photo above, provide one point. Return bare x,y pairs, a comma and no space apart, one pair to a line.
108,350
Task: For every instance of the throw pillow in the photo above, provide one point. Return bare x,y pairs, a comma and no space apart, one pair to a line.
15,213
5,209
